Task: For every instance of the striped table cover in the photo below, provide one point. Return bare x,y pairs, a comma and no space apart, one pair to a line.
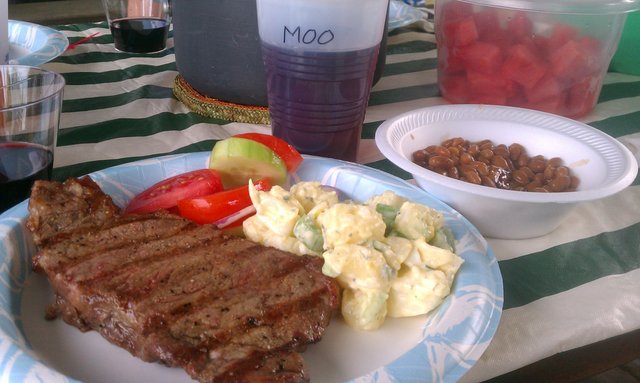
575,286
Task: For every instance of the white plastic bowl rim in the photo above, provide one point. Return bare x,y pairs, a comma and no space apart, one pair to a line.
621,164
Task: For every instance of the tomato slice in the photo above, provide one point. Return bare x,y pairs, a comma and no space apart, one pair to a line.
214,207
166,194
291,157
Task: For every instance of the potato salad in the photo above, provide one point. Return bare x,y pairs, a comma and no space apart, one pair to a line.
392,257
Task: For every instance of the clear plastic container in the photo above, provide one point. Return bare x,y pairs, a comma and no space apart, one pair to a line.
545,55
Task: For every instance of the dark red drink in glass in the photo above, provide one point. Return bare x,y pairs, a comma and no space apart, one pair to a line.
20,165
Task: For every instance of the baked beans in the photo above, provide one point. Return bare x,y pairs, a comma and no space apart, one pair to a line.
497,165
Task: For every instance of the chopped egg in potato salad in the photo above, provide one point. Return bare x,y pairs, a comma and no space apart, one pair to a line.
392,257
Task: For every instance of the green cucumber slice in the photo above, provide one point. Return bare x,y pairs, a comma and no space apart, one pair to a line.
238,159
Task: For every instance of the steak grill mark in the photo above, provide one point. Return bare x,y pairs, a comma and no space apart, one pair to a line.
224,309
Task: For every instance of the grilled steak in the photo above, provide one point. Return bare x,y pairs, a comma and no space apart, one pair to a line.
223,308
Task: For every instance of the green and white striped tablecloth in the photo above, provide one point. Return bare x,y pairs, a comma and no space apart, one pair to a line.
575,286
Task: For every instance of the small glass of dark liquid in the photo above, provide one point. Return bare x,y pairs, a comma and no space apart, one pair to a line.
30,104
139,35
21,163
138,26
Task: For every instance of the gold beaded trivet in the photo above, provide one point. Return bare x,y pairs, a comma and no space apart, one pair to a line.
211,107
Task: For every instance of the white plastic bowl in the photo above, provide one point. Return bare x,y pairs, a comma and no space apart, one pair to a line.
603,165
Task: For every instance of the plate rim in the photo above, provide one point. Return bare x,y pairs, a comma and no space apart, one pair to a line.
490,323
56,43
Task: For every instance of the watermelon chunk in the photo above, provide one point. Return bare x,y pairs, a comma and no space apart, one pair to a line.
454,10
554,104
449,62
454,88
489,99
523,66
461,32
487,83
482,56
520,26
561,34
548,87
582,96
567,60
487,24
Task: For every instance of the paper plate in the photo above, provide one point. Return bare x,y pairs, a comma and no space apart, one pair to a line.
439,347
33,44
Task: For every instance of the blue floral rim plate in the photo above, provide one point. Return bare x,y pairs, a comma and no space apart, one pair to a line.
439,347
33,44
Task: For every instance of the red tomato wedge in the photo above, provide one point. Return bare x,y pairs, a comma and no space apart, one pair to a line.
291,157
214,207
166,194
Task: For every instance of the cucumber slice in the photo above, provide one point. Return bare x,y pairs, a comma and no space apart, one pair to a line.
239,159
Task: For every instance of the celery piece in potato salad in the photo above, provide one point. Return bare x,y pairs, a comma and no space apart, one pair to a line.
392,257
307,231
